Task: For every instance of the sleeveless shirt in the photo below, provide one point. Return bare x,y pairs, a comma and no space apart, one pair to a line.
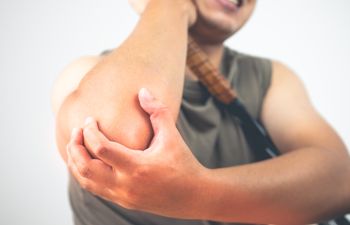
211,132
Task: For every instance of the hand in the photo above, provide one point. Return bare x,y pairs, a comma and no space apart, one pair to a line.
164,179
140,5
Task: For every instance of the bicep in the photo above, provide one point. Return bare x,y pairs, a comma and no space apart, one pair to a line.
290,118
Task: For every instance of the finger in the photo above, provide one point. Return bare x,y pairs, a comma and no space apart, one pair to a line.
89,168
83,181
81,158
112,153
77,136
93,138
105,174
89,185
76,141
160,115
98,178
148,102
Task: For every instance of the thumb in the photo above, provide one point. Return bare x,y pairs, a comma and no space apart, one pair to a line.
160,115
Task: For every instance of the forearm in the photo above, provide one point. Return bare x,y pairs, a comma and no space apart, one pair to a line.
153,57
297,188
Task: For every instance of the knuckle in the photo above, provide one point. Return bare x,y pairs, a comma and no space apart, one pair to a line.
85,171
163,110
141,172
101,149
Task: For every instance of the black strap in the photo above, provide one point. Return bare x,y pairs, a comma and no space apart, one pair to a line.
254,133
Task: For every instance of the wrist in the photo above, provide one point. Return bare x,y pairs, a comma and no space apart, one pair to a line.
204,195
214,194
185,7
190,11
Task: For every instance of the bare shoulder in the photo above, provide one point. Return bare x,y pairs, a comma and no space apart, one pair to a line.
69,79
290,117
286,89
284,75
287,85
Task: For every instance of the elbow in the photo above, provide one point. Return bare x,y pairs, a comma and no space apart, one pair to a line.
129,126
134,132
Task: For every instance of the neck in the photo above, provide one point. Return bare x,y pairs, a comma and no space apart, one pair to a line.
213,50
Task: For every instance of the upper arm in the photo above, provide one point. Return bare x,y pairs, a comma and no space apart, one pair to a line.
290,118
70,78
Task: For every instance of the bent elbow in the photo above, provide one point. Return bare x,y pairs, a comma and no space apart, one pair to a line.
129,126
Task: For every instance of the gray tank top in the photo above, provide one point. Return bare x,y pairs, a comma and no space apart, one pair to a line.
213,135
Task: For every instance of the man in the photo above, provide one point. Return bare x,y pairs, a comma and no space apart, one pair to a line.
130,165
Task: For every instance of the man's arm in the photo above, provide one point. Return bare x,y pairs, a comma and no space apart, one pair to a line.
305,185
153,56
69,79
309,182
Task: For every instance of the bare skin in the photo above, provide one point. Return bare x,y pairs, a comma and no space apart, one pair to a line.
314,167
102,92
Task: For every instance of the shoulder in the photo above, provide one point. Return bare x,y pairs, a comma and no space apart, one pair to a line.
69,79
251,77
281,72
290,117
250,67
261,64
285,81
287,112
286,87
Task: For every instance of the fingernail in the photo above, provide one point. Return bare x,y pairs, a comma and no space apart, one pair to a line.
146,94
89,120
74,132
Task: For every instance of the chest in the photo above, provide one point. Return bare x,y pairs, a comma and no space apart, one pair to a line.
213,135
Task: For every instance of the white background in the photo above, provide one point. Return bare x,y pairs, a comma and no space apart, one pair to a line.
38,38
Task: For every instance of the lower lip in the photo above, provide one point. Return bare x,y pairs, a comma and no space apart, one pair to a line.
228,5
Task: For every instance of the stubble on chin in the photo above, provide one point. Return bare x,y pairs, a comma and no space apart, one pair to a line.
213,30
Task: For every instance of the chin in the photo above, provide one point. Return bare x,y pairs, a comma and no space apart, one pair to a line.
215,29
217,21
212,33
